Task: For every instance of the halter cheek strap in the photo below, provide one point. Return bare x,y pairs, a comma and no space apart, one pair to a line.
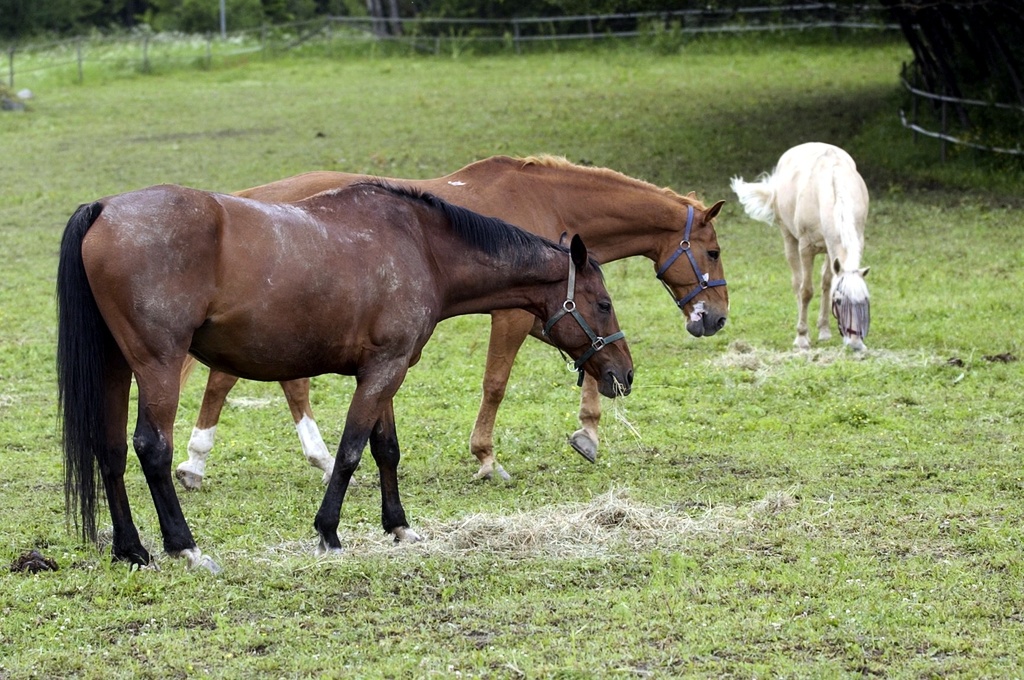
684,248
597,342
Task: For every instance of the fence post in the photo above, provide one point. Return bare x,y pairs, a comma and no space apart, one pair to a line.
209,50
78,52
944,129
916,76
145,54
515,35
10,67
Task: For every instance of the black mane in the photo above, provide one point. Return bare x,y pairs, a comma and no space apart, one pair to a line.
490,235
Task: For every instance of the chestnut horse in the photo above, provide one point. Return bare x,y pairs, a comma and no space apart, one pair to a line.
821,204
350,281
618,216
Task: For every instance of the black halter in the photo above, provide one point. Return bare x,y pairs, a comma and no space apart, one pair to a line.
597,343
684,247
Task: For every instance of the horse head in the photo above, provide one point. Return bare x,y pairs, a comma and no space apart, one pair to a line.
697,281
590,334
851,304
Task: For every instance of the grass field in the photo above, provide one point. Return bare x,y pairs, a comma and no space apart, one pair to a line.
753,511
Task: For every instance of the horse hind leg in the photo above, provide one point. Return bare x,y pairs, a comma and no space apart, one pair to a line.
191,472
296,393
112,460
153,441
800,270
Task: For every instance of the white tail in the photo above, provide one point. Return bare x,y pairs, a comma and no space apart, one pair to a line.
757,198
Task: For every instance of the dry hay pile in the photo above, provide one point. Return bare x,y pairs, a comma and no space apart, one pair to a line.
764,363
611,523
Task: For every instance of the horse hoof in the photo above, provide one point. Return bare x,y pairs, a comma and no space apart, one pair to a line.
323,549
405,535
190,480
197,560
584,445
488,470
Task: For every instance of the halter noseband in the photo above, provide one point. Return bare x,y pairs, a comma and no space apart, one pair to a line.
684,247
597,343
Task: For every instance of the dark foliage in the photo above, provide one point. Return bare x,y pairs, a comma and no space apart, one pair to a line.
967,49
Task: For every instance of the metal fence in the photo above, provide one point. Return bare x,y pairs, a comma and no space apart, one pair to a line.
144,51
941,104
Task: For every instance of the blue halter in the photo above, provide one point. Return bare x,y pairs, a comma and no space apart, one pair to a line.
597,343
684,247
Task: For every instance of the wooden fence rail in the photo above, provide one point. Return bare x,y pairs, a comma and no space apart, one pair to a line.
943,102
430,34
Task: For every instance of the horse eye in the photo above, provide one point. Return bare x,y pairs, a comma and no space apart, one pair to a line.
713,254
604,306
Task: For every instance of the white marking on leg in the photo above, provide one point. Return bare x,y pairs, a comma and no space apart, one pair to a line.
405,535
200,444
313,446
196,558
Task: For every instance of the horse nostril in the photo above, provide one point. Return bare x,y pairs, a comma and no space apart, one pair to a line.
721,324
629,378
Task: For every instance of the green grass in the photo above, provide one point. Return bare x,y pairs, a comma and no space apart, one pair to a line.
898,553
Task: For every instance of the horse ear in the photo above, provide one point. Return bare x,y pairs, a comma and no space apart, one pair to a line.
692,194
578,251
561,239
713,211
864,272
836,266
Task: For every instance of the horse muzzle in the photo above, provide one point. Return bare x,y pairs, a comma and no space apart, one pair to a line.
616,383
704,322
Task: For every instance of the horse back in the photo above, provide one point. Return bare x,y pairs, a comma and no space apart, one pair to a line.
494,186
819,192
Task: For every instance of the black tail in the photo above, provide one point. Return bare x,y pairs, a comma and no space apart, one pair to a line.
83,341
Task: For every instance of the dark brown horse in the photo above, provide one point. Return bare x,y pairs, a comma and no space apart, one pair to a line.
351,281
618,216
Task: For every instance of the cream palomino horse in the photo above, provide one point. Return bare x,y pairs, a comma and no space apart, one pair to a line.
821,204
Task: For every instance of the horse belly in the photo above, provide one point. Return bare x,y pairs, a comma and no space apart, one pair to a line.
262,353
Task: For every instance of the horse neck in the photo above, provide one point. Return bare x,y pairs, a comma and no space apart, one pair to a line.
846,240
478,283
616,215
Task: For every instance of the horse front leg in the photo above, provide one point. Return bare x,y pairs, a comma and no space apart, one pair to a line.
509,329
584,440
296,392
191,472
825,308
386,453
375,387
154,445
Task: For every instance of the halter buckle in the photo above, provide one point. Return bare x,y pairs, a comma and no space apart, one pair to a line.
569,306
